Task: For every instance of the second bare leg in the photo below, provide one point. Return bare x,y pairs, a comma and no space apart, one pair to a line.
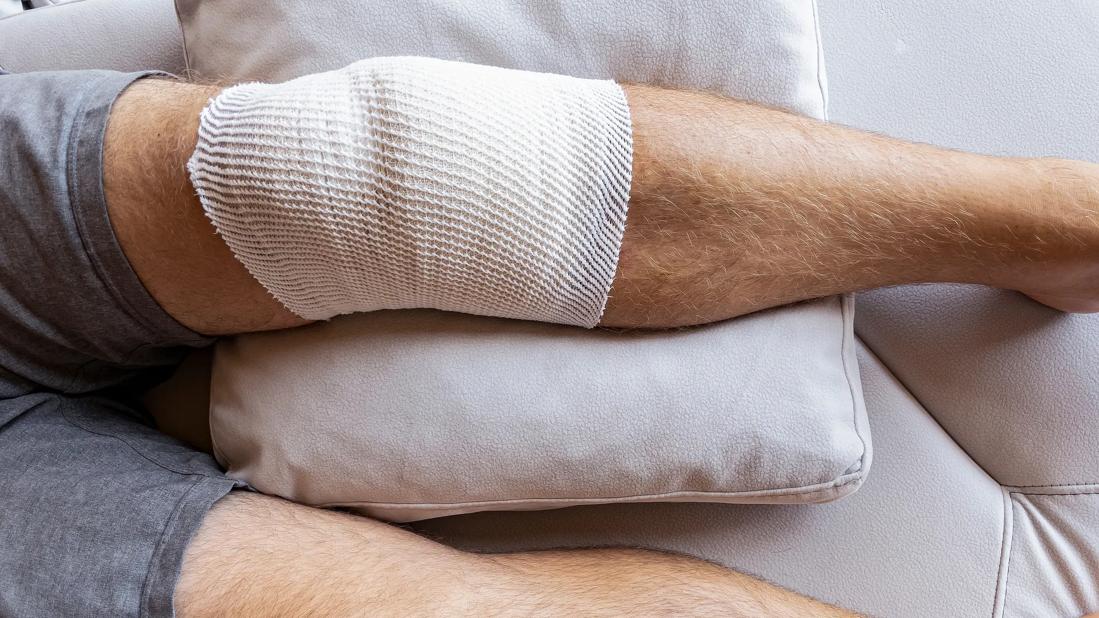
262,556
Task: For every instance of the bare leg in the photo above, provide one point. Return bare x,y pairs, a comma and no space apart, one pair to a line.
734,208
159,221
261,556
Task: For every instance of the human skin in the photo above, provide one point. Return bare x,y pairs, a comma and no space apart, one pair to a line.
737,207
734,208
257,555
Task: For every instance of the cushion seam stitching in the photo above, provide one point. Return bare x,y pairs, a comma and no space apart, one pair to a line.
847,309
840,482
1004,568
78,425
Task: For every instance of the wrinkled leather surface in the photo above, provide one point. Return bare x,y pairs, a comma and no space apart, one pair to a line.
125,35
1016,384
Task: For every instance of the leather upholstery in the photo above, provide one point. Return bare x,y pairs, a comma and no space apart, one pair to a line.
930,533
1015,384
125,35
1001,373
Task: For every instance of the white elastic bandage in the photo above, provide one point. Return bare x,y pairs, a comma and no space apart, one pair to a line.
412,182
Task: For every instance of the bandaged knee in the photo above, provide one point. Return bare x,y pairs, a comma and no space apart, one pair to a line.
419,183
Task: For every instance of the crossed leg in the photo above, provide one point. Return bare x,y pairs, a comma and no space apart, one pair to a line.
261,556
734,208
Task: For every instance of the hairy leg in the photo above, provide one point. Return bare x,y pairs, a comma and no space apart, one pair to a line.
257,555
734,208
737,207
159,222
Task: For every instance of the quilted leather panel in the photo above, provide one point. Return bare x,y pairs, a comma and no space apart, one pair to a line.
1015,383
1053,567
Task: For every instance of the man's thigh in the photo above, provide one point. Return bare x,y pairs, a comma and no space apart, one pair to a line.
74,317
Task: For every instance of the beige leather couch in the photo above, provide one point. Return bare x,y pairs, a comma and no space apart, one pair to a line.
984,497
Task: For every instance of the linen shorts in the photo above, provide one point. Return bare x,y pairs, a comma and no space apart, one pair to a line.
96,506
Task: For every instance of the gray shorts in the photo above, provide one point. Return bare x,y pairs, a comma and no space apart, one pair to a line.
96,506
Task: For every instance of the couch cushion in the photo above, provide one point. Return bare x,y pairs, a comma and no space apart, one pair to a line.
413,414
1014,382
763,51
124,35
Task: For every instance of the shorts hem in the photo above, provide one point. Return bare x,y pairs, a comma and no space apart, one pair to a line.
89,206
158,592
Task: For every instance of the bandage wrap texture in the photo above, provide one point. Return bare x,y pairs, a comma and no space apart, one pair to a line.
413,182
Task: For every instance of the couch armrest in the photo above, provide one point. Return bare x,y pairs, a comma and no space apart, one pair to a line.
125,35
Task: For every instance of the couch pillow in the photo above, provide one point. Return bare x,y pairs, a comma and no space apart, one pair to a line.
766,51
417,414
